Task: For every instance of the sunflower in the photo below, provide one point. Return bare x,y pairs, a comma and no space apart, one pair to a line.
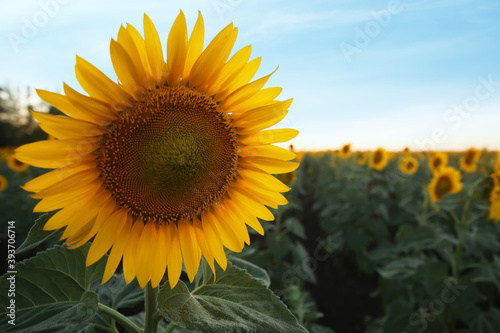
345,151
469,160
3,183
437,161
406,151
446,181
171,163
361,158
379,159
494,213
408,165
15,164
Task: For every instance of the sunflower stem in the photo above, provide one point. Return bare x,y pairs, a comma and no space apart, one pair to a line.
170,328
119,318
152,317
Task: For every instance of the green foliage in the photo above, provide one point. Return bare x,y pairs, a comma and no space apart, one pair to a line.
234,302
52,292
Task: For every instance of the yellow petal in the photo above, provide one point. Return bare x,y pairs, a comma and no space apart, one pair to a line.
245,92
258,119
99,86
55,176
66,198
154,52
119,247
229,219
250,204
75,232
245,75
77,215
269,136
229,72
243,215
189,247
227,236
174,258
268,198
106,236
69,184
194,46
130,260
126,70
63,104
213,58
264,180
63,127
102,112
267,164
213,241
160,265
146,254
140,44
127,42
262,98
267,151
176,50
202,242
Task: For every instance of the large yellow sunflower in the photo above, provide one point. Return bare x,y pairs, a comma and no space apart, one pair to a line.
15,164
171,163
468,162
379,159
437,161
408,165
446,181
345,151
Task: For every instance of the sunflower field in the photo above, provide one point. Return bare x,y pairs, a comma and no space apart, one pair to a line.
162,199
369,242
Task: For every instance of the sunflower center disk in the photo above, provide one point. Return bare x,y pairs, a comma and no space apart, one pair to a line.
170,156
443,186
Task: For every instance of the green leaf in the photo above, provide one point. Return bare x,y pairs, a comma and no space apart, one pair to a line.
37,235
235,302
117,294
295,226
255,271
487,322
400,268
419,238
52,291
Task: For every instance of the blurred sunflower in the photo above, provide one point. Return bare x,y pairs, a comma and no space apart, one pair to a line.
494,213
379,159
345,151
408,165
361,158
437,161
3,183
171,163
406,151
446,181
15,164
468,162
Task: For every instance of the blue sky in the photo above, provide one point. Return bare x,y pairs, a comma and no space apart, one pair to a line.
423,74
